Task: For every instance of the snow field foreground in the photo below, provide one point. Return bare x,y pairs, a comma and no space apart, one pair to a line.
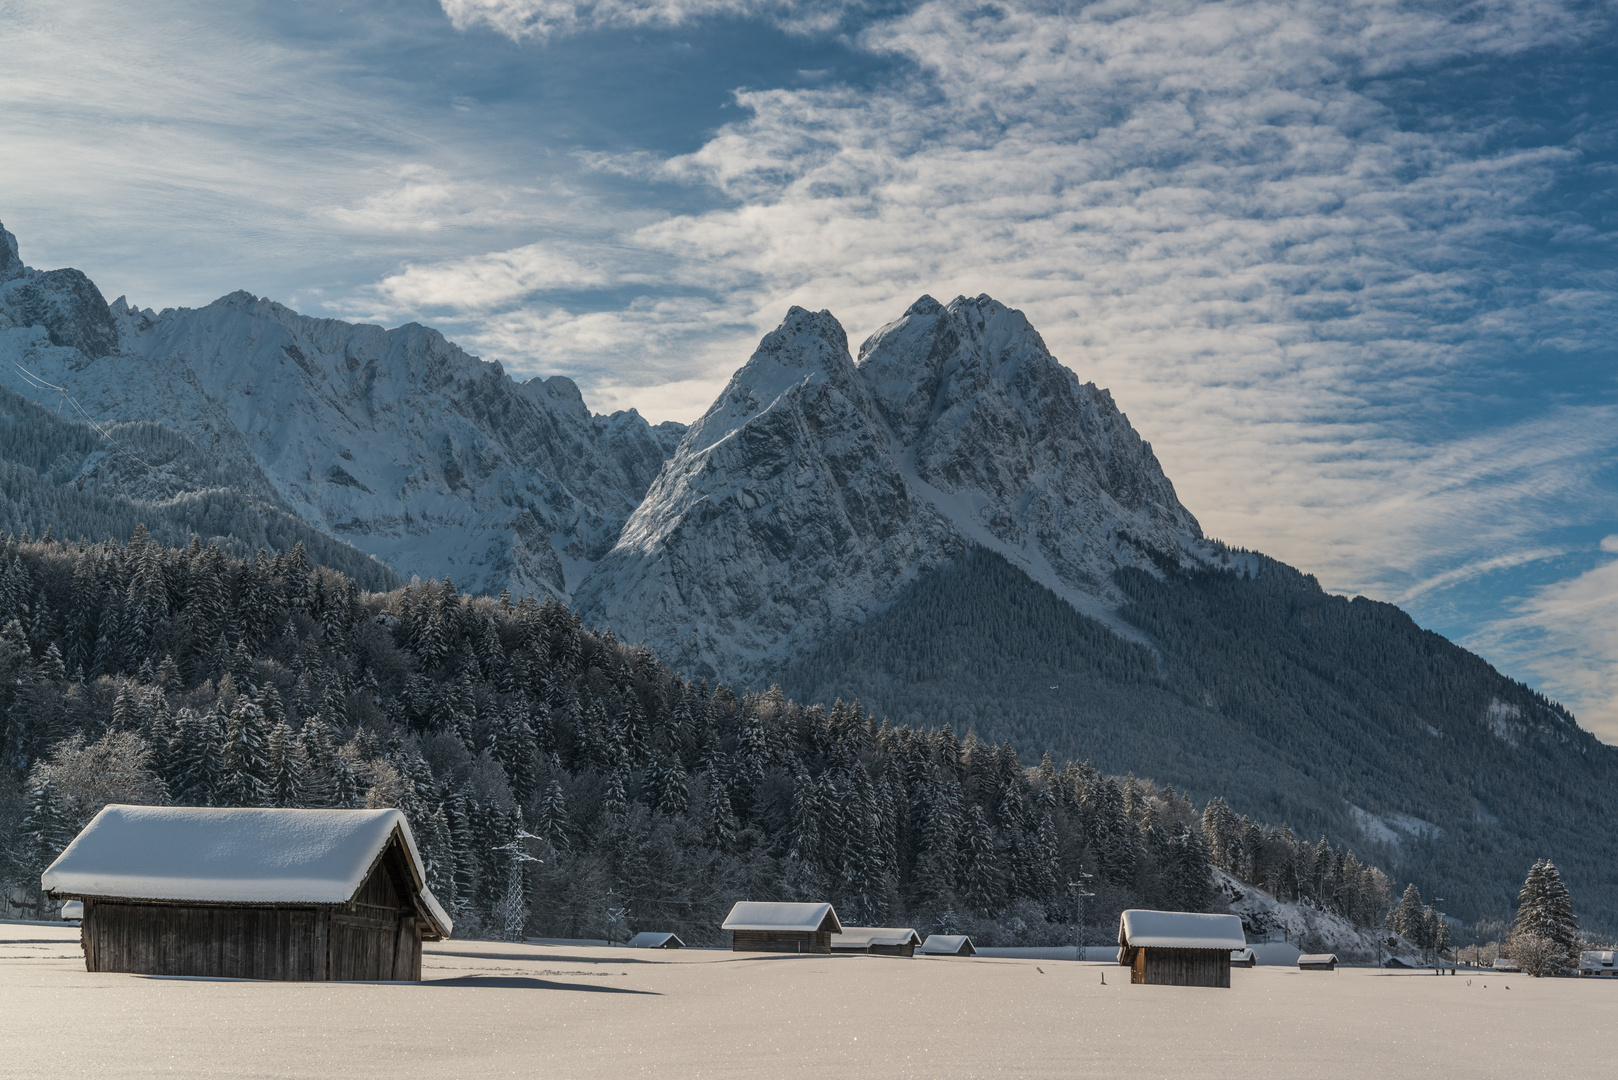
492,1009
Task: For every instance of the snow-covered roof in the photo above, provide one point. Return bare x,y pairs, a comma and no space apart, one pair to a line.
234,855
863,937
1503,964
786,918
655,939
948,944
1591,959
73,909
1316,958
1180,930
1241,954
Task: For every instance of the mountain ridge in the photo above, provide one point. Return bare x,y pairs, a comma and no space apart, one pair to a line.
886,528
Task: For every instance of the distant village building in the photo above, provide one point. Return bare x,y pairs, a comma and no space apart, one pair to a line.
306,895
1178,948
877,940
1599,964
1504,964
1243,958
948,945
655,939
770,927
1317,962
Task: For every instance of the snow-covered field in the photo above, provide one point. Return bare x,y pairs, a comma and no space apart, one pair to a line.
491,1009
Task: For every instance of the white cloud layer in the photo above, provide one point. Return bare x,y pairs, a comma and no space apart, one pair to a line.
1208,208
520,19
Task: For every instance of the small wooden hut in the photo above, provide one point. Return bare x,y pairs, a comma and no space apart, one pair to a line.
1178,948
655,939
877,940
948,945
1317,962
303,895
1243,958
772,927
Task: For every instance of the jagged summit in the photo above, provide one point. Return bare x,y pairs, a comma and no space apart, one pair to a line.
815,488
780,512
395,440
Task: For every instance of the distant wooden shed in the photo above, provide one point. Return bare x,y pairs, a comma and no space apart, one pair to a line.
655,939
302,895
1178,948
948,945
877,940
1243,958
758,926
1317,962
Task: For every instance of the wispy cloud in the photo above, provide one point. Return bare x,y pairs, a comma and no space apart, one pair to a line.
521,19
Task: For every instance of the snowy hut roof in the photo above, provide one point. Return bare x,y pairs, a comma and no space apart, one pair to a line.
949,945
1179,930
1316,959
1503,964
655,939
233,855
73,910
863,937
1595,960
1241,954
787,918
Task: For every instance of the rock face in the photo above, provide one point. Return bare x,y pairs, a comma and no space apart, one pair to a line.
395,440
814,489
781,512
1016,452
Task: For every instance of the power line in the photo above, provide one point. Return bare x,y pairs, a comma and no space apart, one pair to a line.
40,384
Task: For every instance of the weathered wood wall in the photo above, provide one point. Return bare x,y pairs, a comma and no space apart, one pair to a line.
893,950
1181,967
373,937
817,941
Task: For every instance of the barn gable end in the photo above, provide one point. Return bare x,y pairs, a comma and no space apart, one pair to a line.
255,894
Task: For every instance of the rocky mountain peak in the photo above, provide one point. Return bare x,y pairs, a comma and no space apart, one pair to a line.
808,351
10,257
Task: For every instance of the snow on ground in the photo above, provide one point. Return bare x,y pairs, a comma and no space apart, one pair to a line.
492,1009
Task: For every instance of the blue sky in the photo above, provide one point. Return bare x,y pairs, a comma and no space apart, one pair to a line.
1349,265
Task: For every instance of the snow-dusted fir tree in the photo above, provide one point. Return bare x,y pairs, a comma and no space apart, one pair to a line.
1545,910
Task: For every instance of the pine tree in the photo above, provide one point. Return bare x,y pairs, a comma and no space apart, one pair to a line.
45,832
288,768
1545,908
552,820
245,754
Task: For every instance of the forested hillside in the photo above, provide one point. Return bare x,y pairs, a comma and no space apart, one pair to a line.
508,733
1337,716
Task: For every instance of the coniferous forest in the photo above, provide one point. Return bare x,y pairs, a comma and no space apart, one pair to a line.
558,781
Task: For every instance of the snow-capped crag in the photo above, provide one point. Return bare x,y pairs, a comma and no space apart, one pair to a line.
397,441
815,489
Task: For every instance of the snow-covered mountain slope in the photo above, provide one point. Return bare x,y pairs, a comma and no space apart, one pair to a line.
781,513
395,440
814,489
1017,453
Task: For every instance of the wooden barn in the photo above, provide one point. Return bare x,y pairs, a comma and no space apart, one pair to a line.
302,895
771,927
948,945
1317,962
877,940
655,939
1178,948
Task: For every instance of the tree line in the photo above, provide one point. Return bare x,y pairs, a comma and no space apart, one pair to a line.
558,781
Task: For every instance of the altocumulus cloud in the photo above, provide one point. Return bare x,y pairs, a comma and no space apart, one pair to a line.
1216,211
